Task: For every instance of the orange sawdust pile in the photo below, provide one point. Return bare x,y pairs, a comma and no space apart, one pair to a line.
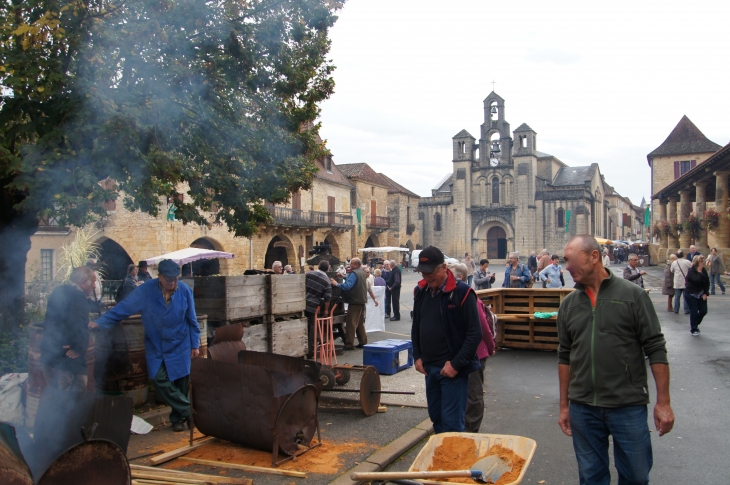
456,453
326,459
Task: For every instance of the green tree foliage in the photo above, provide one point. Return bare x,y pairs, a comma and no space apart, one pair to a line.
217,96
154,93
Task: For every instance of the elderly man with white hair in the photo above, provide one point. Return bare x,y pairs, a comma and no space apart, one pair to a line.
277,267
393,285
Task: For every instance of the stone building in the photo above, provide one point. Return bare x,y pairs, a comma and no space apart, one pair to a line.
701,188
403,215
685,147
504,195
625,220
370,206
319,217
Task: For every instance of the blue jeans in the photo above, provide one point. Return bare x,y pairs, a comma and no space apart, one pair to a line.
446,399
714,276
471,278
632,454
678,294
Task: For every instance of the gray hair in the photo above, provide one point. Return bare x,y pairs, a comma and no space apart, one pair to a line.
275,264
514,254
459,269
545,251
588,243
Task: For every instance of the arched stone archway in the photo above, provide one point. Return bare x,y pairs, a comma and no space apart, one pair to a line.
280,248
113,259
334,245
205,267
372,241
502,238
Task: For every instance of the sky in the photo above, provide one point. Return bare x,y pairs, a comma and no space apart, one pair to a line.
600,82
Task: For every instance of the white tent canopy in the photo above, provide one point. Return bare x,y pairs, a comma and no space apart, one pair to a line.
385,249
189,255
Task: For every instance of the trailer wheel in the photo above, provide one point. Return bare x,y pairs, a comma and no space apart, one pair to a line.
327,378
342,376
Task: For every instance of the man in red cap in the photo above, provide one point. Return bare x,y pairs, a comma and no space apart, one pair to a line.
445,333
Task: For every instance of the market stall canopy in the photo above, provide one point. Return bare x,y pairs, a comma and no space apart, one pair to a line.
600,240
188,255
385,249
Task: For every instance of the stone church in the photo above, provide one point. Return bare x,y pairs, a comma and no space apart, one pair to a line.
504,195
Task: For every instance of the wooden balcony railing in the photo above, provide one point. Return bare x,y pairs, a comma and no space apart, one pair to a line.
284,216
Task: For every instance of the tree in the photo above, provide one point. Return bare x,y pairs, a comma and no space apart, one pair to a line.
218,96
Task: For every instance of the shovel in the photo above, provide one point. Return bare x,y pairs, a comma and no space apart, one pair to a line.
486,470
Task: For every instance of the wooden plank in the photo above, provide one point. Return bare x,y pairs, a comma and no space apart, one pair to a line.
171,455
256,338
188,477
289,338
167,481
248,468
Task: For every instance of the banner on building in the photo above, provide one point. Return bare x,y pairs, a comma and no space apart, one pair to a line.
567,221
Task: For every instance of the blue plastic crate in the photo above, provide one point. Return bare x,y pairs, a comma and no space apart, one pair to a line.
389,356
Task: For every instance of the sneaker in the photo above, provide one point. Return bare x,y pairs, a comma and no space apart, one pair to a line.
695,333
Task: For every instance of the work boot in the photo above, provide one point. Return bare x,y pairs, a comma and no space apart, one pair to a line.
178,426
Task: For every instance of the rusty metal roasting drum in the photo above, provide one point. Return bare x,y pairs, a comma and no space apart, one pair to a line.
263,401
99,462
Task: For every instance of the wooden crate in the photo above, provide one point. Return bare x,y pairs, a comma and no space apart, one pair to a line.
287,294
516,326
256,337
287,337
231,298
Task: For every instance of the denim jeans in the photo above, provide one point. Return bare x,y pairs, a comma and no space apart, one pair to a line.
471,278
446,399
697,311
714,276
679,295
632,454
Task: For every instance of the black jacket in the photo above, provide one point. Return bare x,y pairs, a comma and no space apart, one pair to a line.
394,279
66,323
697,282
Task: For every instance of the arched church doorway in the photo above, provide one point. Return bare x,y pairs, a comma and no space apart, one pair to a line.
113,261
496,243
276,252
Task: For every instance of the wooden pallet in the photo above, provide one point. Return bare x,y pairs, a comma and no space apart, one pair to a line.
516,325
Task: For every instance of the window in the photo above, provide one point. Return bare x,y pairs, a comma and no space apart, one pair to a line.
437,221
46,264
681,168
561,217
372,191
296,201
523,141
328,163
495,190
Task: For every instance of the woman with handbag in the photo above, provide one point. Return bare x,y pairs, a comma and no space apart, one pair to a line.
696,291
668,287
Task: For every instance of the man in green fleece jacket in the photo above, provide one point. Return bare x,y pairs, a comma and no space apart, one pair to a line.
606,327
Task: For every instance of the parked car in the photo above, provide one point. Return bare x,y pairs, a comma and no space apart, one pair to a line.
416,252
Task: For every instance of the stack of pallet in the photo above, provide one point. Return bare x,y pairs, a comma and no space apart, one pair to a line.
270,307
517,327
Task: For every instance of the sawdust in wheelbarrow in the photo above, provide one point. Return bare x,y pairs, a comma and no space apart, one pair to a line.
456,453
327,459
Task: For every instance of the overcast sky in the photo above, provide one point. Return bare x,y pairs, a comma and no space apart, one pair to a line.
601,82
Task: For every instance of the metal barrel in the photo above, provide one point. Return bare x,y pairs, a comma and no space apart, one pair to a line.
121,362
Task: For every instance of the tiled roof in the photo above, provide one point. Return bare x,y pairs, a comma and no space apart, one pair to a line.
574,175
445,185
524,127
335,175
463,134
362,171
684,139
396,188
543,154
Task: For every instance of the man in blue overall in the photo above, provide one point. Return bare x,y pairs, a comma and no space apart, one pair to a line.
171,335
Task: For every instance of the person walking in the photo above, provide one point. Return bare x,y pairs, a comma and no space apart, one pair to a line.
355,294
66,332
632,272
532,263
171,335
483,279
471,266
606,260
393,285
606,328
717,268
445,333
318,291
668,286
680,267
517,275
551,274
698,286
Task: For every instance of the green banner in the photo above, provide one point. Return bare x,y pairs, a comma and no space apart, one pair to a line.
359,220
647,216
567,221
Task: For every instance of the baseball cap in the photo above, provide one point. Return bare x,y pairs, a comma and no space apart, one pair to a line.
168,268
429,259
